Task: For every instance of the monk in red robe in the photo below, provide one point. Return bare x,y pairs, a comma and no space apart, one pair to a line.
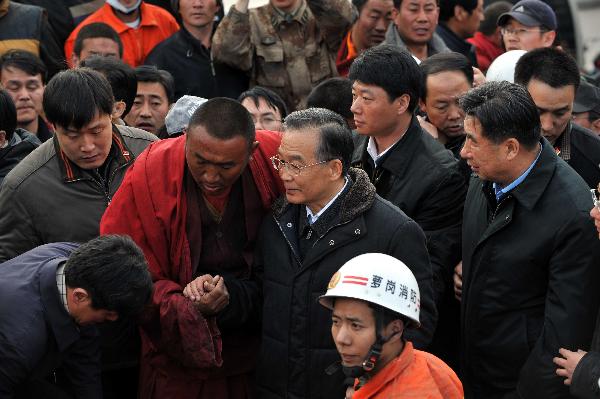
194,204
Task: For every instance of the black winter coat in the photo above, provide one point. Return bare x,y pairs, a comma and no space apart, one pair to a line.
425,181
585,154
297,345
530,281
193,69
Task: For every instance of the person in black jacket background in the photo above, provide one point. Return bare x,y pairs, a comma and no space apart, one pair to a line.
552,77
15,143
189,50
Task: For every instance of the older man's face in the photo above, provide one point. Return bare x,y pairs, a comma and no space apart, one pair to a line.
307,180
150,107
416,20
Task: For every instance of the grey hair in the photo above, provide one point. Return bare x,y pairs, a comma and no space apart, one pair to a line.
335,138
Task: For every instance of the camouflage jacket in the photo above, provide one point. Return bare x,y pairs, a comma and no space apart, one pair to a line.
287,53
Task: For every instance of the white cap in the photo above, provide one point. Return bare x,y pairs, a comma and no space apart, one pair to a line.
180,113
377,278
503,67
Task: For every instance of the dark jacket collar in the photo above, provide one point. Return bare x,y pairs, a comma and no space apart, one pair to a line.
118,152
453,41
359,198
397,159
531,189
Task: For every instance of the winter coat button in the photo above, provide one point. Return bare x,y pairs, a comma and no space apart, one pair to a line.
289,225
331,242
357,231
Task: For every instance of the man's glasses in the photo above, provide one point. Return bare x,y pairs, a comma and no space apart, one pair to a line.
291,168
520,32
267,122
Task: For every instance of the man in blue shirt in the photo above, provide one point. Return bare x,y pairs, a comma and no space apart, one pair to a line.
529,251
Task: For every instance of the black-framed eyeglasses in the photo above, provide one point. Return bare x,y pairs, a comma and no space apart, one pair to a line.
291,168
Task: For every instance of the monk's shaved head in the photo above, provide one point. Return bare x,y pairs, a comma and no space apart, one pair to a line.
224,119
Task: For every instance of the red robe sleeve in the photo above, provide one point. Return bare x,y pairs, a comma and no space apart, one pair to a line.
150,207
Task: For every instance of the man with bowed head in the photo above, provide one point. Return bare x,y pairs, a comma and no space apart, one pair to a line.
194,205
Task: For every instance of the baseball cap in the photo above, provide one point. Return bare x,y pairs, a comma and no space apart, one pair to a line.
531,13
587,98
180,113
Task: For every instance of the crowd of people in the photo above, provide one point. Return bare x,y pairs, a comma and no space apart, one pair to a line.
307,199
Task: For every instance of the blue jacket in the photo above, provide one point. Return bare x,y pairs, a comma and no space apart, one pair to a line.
37,334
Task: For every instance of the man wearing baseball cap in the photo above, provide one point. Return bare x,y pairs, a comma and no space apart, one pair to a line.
586,107
375,298
530,24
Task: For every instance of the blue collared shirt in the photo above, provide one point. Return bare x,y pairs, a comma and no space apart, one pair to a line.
501,192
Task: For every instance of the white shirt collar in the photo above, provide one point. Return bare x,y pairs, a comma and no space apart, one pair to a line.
372,150
312,218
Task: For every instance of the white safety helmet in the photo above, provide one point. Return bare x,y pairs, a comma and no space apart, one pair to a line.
377,278
503,67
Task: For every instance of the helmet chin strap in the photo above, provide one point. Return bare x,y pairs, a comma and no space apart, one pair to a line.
372,357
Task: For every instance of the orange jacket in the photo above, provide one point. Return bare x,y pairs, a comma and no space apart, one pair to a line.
413,374
155,26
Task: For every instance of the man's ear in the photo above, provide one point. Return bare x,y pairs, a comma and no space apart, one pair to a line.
402,103
548,38
596,125
396,328
2,138
74,60
80,295
118,110
512,148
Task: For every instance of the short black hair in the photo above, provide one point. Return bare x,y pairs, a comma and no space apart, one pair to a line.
151,74
447,8
335,138
8,114
120,76
398,3
94,30
334,94
549,65
224,119
114,272
505,110
271,98
74,97
26,61
391,69
491,14
445,62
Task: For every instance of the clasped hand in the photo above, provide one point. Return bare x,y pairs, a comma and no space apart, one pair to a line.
209,294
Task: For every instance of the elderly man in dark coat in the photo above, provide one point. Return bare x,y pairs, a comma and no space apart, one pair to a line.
329,215
530,251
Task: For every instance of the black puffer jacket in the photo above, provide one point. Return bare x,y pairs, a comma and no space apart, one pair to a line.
297,345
